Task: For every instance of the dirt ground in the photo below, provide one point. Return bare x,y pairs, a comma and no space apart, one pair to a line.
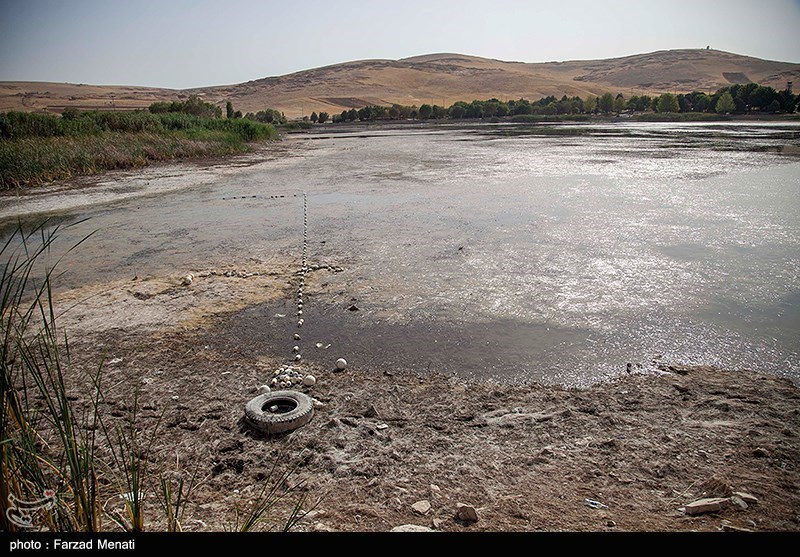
527,458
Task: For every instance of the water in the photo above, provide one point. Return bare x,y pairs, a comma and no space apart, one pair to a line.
554,253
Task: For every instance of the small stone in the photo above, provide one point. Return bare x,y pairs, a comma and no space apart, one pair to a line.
611,524
370,412
320,527
353,307
421,507
341,363
381,427
437,523
299,322
297,357
738,502
760,452
296,336
309,380
411,528
264,389
746,497
467,513
707,505
317,403
295,348
435,488
299,312
732,528
186,280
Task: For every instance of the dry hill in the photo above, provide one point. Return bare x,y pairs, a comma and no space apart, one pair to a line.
434,79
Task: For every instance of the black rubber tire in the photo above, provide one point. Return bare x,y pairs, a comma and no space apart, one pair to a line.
257,414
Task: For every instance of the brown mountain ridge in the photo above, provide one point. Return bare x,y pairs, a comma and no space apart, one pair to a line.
434,79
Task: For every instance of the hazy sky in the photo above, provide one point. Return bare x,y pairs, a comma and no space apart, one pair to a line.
183,43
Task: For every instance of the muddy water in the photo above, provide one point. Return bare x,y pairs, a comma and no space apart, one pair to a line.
554,253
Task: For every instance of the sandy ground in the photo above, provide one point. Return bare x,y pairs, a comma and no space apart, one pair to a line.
527,458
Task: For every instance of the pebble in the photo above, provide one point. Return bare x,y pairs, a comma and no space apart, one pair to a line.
421,507
295,348
297,357
264,389
411,528
738,502
707,505
761,452
187,279
467,513
309,380
746,497
341,363
296,336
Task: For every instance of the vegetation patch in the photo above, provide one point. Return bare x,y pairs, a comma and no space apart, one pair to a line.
39,148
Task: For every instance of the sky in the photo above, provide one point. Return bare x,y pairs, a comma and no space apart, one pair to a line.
183,44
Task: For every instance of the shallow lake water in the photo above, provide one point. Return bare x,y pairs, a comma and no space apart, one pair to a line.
554,253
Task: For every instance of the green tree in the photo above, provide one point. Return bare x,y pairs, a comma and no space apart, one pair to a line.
425,111
229,109
725,104
314,117
619,103
458,110
590,105
668,103
323,117
606,103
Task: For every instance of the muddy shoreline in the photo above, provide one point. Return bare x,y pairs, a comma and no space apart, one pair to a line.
527,457
392,432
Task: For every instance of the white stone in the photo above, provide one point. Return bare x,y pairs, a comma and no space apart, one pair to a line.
341,363
421,507
411,528
295,348
746,497
264,389
187,279
309,380
296,336
297,357
707,505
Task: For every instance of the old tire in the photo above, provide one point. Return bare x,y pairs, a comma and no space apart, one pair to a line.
279,411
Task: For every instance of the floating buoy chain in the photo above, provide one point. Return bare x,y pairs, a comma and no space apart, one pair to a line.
303,270
287,376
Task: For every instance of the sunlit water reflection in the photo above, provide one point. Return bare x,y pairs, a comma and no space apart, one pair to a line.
555,253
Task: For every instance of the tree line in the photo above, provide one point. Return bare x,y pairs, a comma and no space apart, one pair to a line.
734,99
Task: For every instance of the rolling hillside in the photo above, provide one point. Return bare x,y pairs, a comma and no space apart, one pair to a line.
434,79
